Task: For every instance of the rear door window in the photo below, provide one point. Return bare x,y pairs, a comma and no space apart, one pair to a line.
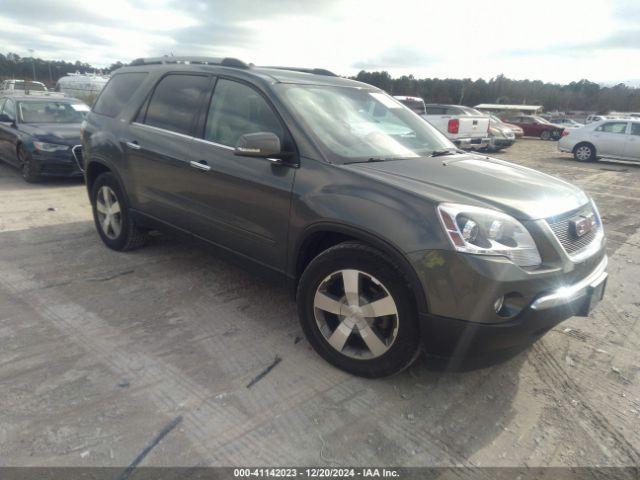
117,93
237,109
635,129
613,127
176,101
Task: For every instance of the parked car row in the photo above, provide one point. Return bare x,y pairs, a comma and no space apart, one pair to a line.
83,86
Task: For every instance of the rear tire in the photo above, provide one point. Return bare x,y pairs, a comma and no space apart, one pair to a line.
584,152
545,135
27,168
369,328
111,215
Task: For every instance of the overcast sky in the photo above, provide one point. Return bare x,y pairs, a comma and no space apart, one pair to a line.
557,40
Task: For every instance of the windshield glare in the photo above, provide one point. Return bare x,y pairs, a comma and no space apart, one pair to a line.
356,124
542,120
49,112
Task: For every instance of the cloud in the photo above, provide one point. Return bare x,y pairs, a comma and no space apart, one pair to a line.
457,40
623,39
627,39
397,57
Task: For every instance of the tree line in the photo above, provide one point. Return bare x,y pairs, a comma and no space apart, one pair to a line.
46,71
581,96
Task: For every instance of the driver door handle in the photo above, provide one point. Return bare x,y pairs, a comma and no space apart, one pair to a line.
201,165
133,145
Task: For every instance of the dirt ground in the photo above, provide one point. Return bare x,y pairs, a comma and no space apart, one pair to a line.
99,351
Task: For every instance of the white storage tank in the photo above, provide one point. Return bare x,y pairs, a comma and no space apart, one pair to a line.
84,86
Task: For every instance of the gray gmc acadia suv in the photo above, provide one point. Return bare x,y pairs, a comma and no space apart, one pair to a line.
390,237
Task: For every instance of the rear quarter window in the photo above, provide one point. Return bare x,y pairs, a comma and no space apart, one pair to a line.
117,93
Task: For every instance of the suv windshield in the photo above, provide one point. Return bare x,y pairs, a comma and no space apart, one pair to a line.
357,125
50,112
36,87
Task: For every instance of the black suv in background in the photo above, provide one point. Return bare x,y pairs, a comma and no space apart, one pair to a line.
389,236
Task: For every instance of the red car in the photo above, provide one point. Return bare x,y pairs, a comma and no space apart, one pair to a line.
534,126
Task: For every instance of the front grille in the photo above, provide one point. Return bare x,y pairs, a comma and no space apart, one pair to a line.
561,227
77,155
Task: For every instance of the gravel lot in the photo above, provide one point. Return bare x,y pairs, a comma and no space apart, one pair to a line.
101,350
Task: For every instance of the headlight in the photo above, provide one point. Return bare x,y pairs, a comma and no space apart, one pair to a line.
49,147
482,231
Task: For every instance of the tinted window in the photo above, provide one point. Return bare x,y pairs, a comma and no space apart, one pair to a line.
436,110
10,109
117,93
175,102
237,109
613,127
635,129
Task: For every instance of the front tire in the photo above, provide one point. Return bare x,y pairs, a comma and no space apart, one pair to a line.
27,167
111,215
357,311
584,152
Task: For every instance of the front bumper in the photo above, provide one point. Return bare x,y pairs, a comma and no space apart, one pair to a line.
56,164
475,143
499,143
462,289
449,337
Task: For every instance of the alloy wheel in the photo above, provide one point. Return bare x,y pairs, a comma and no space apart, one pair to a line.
109,212
356,314
583,153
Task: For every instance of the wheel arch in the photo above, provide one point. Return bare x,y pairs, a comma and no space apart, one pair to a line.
98,166
319,237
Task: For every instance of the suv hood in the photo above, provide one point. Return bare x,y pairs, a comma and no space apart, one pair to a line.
62,133
519,191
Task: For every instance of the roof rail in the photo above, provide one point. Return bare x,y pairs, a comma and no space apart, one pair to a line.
225,62
316,71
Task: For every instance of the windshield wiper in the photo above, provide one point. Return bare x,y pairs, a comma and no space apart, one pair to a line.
442,153
370,160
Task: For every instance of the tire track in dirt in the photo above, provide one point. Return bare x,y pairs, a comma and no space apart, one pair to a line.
562,387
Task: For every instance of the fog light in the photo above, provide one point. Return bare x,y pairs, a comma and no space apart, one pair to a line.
497,306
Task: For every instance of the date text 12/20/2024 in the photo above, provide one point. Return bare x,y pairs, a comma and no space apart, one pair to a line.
315,472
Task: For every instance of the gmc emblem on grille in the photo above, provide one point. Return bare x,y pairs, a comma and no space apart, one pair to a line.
582,224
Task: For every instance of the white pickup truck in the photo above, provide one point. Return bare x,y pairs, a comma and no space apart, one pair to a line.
466,127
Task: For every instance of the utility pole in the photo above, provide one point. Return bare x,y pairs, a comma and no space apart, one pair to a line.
33,64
